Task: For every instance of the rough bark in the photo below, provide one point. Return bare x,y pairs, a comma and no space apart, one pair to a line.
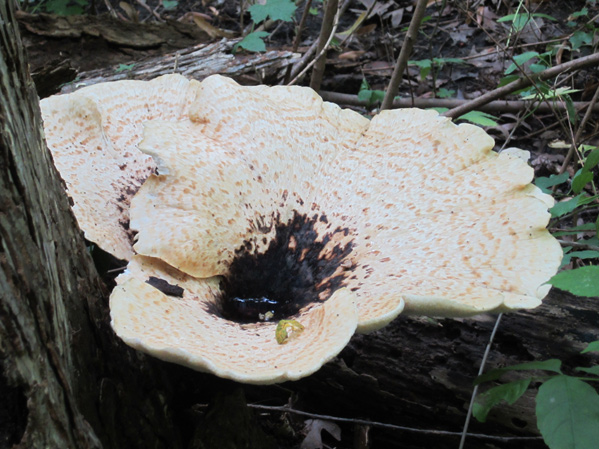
69,383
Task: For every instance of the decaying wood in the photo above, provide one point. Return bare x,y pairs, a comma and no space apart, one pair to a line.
195,62
115,31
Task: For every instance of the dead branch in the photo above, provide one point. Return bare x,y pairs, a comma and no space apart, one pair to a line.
404,54
521,83
498,106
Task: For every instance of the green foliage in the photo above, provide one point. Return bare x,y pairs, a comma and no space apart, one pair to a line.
567,413
124,68
170,4
275,9
253,42
369,95
479,118
582,281
509,392
64,7
426,65
567,407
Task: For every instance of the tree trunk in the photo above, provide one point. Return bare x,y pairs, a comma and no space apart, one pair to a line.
68,382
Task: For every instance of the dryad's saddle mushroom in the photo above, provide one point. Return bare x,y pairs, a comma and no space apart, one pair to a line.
272,225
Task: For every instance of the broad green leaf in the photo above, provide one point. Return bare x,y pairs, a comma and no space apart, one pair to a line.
594,370
275,9
521,59
581,179
592,347
441,61
592,160
576,229
580,38
425,66
583,12
565,207
588,254
479,118
253,41
568,413
538,67
509,392
582,281
544,183
507,79
553,365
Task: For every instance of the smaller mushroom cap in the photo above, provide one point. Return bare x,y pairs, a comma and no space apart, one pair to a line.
189,331
93,135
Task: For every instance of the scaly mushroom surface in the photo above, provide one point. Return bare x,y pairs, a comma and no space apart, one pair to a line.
270,204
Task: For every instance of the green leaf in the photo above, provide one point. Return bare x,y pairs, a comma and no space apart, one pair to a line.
592,160
65,7
568,413
544,183
588,254
553,365
275,9
479,118
507,79
253,42
445,93
591,347
576,229
594,370
170,4
509,392
521,59
124,68
582,281
565,207
580,38
581,179
425,66
583,12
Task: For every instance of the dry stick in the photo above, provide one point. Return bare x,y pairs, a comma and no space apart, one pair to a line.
326,46
287,409
523,82
475,390
326,31
493,106
585,119
404,54
298,37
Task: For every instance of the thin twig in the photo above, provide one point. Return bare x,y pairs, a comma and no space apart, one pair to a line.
475,390
322,52
327,31
523,82
404,54
307,57
287,409
578,245
579,131
497,106
298,37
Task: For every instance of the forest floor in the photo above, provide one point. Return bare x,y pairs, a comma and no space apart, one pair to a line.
464,50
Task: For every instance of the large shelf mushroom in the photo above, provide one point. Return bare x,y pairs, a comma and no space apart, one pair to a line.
270,204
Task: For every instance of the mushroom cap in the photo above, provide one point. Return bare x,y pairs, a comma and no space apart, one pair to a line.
93,136
186,331
435,219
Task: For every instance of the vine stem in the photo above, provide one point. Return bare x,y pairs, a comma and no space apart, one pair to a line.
475,390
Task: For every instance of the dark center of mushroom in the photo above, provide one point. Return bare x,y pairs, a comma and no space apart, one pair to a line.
302,265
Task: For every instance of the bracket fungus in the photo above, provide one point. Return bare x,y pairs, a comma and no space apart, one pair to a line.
270,214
